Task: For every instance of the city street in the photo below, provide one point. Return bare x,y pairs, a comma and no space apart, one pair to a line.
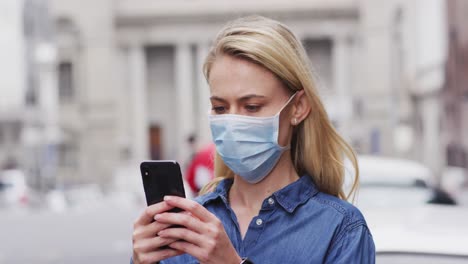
93,92
99,234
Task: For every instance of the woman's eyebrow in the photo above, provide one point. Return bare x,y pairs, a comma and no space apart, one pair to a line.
250,96
217,98
241,99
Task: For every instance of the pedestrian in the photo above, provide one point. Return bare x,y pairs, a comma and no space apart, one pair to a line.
278,195
200,170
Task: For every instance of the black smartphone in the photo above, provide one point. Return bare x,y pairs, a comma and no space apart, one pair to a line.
161,178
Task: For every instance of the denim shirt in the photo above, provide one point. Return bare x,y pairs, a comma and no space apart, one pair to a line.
297,224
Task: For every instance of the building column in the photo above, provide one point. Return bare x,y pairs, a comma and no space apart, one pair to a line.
342,82
376,83
138,91
432,154
184,99
204,134
48,105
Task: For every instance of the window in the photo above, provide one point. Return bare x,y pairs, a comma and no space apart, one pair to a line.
68,155
65,81
320,55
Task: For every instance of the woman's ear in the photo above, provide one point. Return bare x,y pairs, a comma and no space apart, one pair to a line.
301,108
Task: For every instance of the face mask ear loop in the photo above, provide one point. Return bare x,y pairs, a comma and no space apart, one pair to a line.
287,147
287,103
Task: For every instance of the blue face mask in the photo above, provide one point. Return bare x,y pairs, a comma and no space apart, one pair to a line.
248,145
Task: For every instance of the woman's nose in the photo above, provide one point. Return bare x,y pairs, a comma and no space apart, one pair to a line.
234,110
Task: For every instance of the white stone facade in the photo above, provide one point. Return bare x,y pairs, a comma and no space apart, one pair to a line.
28,97
13,80
139,89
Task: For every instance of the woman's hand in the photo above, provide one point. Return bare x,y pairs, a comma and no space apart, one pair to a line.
203,237
146,244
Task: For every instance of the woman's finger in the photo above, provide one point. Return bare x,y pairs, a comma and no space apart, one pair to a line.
181,219
149,230
152,244
189,248
183,234
148,214
193,207
155,256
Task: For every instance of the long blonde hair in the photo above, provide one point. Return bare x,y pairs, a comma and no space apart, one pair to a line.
316,148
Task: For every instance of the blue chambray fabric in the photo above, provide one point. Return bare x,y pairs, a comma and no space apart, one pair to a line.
297,224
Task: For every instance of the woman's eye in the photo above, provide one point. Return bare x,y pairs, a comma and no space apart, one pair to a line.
252,108
218,109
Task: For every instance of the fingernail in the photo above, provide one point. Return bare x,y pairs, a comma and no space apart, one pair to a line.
167,198
156,217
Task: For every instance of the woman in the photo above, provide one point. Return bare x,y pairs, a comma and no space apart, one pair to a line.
277,196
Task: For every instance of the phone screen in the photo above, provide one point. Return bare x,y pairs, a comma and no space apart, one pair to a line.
160,178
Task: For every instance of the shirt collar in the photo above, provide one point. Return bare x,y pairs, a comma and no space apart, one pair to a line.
289,197
296,193
220,192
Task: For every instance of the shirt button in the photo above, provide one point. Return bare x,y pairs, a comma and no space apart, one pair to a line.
271,201
259,221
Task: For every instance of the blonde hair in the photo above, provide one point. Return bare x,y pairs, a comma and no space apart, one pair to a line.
316,148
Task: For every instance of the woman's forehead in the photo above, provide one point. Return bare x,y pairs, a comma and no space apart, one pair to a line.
234,76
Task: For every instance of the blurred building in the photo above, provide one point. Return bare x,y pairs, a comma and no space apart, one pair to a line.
28,110
456,89
131,85
13,80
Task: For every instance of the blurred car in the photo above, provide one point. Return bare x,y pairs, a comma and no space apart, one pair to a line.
406,213
455,179
421,234
13,188
385,182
